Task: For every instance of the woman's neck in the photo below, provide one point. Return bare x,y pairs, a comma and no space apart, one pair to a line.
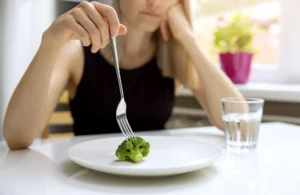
138,47
137,42
135,48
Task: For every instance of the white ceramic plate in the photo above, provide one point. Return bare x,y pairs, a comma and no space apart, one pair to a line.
168,156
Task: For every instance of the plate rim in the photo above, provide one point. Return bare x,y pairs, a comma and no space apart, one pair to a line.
191,166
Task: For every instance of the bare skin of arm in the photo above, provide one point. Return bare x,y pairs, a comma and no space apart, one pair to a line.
214,84
38,92
56,65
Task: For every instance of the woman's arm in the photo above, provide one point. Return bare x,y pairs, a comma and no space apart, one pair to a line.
35,97
215,85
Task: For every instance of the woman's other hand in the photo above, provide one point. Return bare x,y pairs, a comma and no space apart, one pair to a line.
91,23
176,23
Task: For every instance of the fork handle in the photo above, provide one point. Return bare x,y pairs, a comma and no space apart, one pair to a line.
116,62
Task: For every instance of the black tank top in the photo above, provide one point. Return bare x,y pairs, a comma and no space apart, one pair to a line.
149,97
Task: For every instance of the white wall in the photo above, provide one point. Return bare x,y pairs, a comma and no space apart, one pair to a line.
290,39
22,23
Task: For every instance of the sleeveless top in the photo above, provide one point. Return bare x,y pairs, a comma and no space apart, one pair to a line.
149,97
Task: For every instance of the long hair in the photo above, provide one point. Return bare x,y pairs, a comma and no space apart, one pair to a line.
172,58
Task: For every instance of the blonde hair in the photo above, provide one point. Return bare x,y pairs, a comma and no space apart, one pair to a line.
172,58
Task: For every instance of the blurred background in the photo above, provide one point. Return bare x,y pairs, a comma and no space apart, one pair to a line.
272,28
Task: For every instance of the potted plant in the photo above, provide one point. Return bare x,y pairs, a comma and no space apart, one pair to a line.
234,39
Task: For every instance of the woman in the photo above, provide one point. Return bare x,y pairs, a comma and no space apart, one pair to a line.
151,32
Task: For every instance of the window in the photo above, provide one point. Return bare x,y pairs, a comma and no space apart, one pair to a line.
276,41
264,14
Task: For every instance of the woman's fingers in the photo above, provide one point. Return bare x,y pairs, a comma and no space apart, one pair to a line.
110,14
122,29
164,31
77,31
82,18
92,23
100,22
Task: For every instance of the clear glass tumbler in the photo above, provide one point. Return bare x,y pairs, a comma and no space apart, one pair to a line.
242,118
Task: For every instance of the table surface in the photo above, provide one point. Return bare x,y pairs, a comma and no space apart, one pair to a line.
273,168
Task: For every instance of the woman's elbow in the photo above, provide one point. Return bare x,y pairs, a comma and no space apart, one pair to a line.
218,124
18,144
15,141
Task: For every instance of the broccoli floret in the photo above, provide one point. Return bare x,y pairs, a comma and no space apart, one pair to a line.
133,149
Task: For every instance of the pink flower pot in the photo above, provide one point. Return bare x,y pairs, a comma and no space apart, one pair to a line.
237,66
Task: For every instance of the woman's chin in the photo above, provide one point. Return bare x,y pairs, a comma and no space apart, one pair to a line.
148,27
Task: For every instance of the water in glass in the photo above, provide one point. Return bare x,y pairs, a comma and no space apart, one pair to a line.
242,127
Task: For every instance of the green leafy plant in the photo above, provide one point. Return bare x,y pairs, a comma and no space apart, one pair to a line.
235,35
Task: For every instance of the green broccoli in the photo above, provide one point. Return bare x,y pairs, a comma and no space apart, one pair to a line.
133,149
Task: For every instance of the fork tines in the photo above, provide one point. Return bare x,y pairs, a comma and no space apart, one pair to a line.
124,126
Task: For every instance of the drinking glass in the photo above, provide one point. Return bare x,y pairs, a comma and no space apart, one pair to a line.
242,118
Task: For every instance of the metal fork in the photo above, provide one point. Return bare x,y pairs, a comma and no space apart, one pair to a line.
121,110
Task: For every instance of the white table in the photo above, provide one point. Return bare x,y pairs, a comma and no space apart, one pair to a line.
274,168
